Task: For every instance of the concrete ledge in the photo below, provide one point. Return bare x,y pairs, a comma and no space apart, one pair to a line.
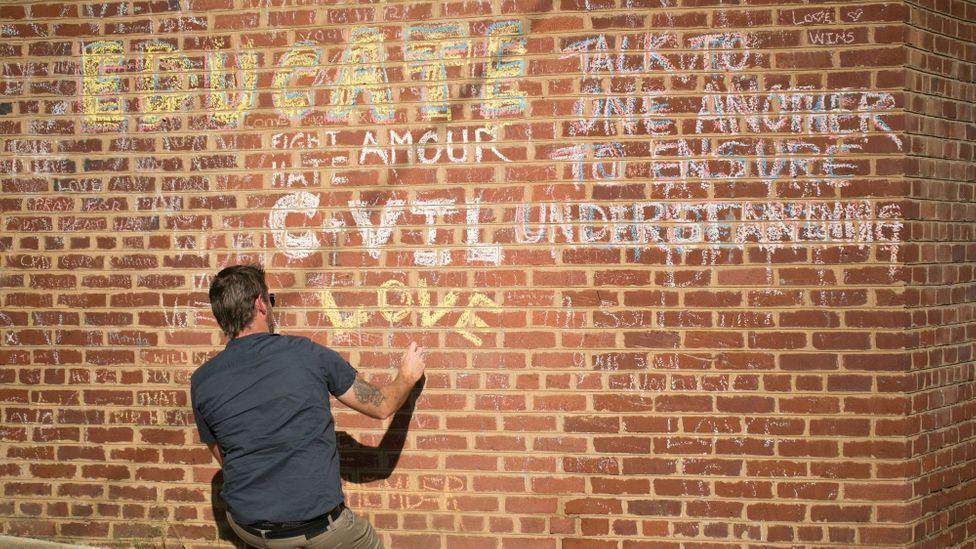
30,543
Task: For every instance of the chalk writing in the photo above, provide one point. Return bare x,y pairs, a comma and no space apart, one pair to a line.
363,71
101,105
428,314
442,483
454,145
9,337
432,210
167,78
716,52
475,251
796,111
745,128
296,140
160,398
724,51
298,61
820,17
847,119
227,112
500,93
831,38
605,161
374,237
376,232
705,159
632,113
28,146
428,52
641,225
165,95
295,245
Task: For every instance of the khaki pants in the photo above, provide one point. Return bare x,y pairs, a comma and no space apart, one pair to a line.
347,532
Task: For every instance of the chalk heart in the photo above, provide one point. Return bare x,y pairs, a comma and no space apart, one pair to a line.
854,15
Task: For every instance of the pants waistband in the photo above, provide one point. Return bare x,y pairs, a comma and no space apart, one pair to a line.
309,529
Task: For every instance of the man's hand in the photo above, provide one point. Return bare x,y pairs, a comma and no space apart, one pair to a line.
412,366
383,402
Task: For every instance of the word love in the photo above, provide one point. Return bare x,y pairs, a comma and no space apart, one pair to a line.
418,302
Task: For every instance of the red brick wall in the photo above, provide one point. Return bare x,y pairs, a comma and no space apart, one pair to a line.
686,273
940,171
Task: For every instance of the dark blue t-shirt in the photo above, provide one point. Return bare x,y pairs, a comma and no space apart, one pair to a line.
263,400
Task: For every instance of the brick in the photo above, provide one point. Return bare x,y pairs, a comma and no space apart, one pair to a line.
26,489
591,506
775,512
592,424
784,345
107,472
87,530
744,404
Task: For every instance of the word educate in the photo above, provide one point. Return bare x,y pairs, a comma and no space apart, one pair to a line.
166,77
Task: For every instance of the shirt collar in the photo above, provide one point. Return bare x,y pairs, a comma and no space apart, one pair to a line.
249,338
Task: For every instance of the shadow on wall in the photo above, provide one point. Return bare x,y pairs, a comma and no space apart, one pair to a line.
220,512
358,463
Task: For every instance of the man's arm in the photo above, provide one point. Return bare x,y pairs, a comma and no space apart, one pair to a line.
383,402
215,450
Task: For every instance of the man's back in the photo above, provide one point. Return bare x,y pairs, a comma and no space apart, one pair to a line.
262,407
265,397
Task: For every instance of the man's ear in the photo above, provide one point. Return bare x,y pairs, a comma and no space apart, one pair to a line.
260,306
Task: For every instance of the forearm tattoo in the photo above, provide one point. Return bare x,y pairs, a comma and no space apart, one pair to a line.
366,393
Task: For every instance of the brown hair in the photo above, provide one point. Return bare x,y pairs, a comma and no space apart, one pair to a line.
232,295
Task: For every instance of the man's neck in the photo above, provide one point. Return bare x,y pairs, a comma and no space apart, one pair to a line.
255,328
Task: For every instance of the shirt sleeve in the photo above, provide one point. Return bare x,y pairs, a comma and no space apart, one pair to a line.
206,435
339,374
